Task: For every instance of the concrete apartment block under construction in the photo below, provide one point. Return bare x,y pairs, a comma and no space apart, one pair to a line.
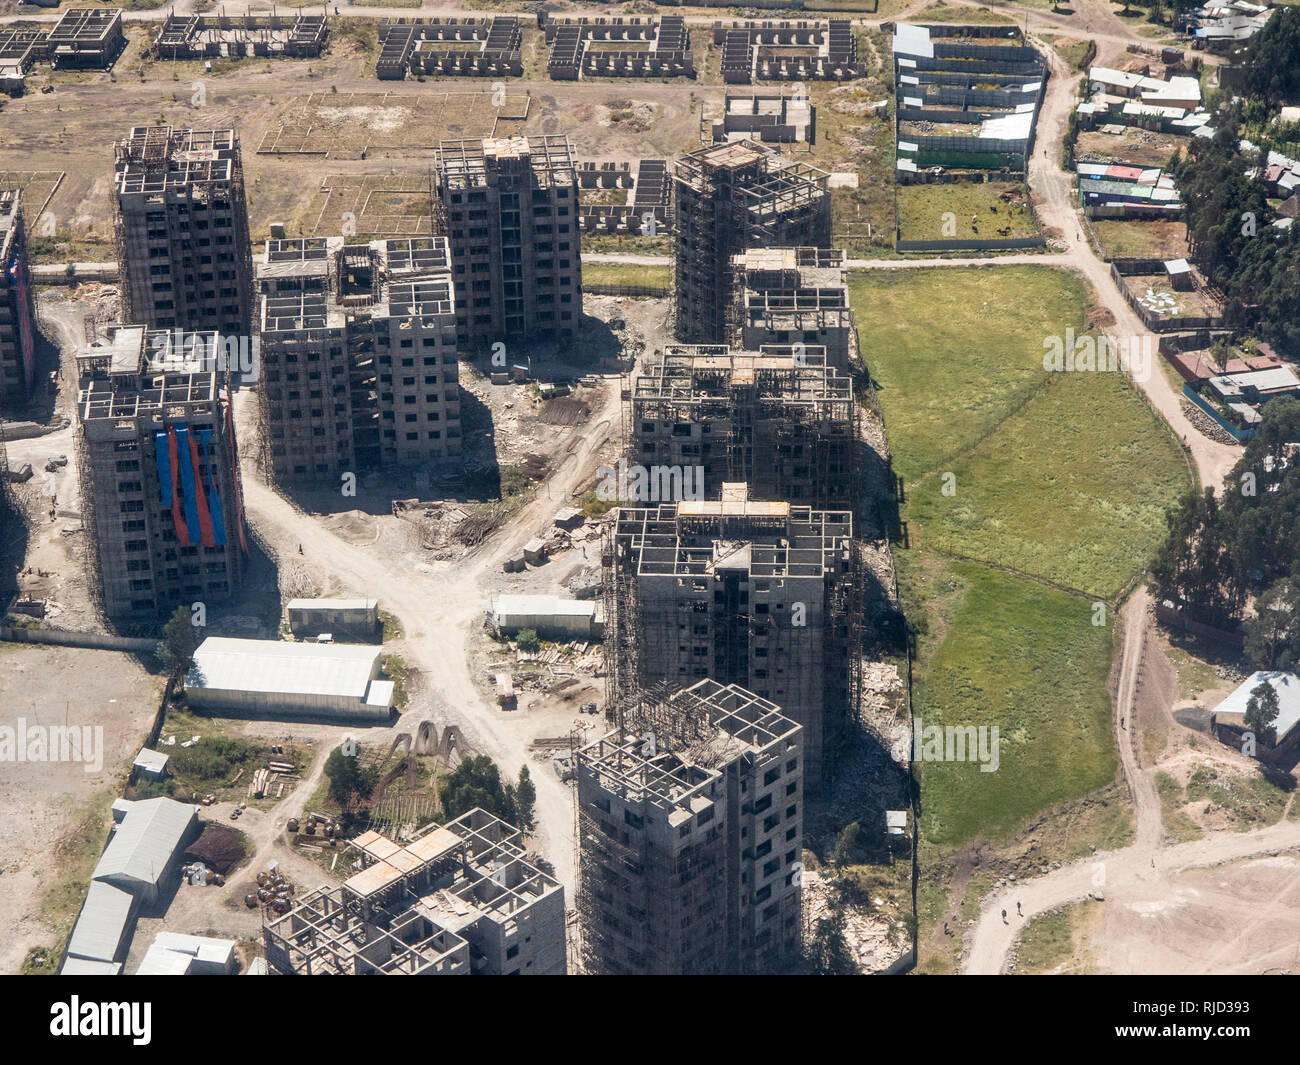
690,823
358,346
17,309
161,499
181,229
458,899
730,198
779,419
510,208
793,296
761,594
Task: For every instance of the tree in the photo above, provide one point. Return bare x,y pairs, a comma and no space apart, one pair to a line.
1273,631
846,847
349,780
829,953
1261,711
525,801
477,782
175,651
527,640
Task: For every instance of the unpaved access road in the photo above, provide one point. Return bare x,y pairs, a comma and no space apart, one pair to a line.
438,610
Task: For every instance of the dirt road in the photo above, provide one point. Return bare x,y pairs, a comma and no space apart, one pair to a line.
438,610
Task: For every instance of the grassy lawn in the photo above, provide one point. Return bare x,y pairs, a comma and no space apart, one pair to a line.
954,352
1063,477
1142,240
1052,941
626,274
1027,660
983,210
1071,50
1072,489
967,16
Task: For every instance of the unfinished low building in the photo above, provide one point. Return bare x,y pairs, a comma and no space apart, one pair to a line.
777,117
690,821
617,47
616,200
458,899
17,307
730,198
796,296
181,229
511,211
297,36
87,37
359,355
162,505
807,50
766,595
782,421
450,47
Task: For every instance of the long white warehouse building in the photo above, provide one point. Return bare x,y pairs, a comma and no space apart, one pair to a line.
282,679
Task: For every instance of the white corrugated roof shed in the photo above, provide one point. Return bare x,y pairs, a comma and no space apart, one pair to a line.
332,604
1287,686
87,967
913,40
551,605
175,954
151,761
339,669
146,840
102,923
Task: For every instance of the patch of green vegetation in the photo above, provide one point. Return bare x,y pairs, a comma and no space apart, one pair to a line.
954,351
968,16
1050,942
392,628
1251,800
396,669
627,274
1072,489
72,860
1004,664
1176,822
977,209
631,244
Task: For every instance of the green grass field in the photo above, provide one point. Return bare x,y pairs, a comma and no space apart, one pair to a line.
626,274
954,351
1028,660
1061,478
922,210
1072,489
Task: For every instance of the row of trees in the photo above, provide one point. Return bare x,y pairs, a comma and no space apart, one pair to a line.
1241,548
475,782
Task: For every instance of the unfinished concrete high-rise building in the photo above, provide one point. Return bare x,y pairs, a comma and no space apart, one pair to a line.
730,198
690,819
162,505
766,595
459,899
793,296
510,208
305,390
781,420
358,345
181,229
17,309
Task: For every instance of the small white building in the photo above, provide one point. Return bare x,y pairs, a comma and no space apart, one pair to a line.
151,763
550,616
177,954
278,679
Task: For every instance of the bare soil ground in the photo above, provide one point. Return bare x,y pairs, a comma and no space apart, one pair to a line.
42,802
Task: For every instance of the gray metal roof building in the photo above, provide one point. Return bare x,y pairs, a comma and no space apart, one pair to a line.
290,679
